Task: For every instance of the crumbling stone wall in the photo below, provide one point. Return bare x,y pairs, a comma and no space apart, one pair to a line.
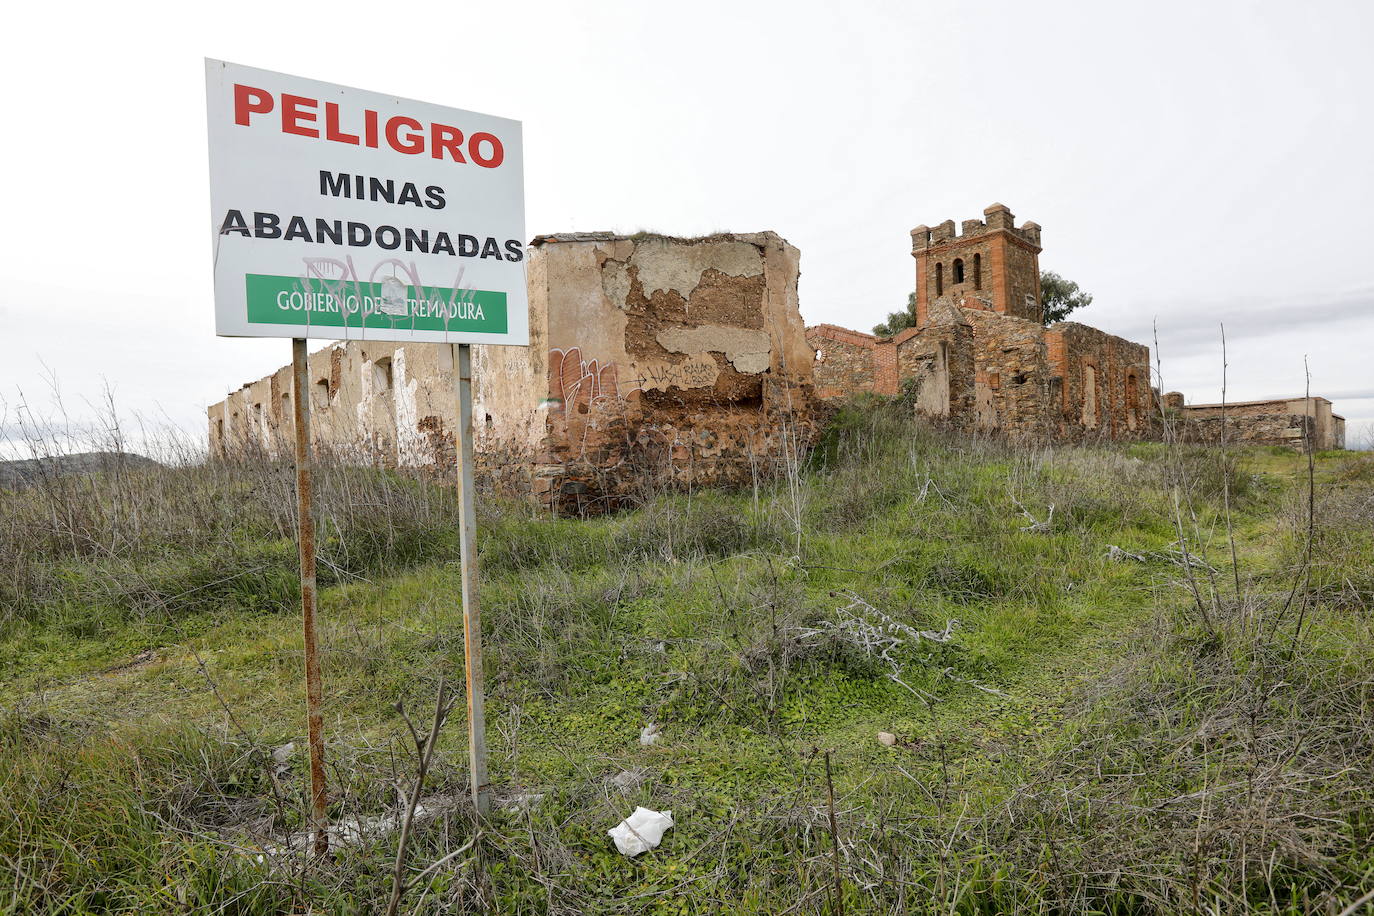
1288,422
1104,388
976,369
1011,380
937,367
652,361
979,357
849,361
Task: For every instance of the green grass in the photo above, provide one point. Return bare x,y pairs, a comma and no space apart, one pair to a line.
1086,741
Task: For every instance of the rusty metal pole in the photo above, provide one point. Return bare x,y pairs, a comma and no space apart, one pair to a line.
305,516
472,615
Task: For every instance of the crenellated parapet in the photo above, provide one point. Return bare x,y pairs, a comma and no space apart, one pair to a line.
989,263
997,217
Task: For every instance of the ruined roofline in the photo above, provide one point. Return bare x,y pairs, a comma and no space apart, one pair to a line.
329,345
826,326
1314,398
997,219
860,338
752,238
1069,325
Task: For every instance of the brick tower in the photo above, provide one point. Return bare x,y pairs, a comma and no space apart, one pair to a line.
990,264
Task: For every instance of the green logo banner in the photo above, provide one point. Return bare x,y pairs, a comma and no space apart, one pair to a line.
390,305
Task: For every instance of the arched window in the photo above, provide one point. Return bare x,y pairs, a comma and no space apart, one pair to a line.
958,271
977,271
939,279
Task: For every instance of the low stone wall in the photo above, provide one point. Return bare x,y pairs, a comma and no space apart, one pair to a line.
851,361
1287,422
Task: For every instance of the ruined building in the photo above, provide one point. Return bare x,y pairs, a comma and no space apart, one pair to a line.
657,360
1291,422
651,359
980,357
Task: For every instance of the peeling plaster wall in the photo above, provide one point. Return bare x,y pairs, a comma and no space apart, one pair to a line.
677,361
353,412
652,360
748,351
664,265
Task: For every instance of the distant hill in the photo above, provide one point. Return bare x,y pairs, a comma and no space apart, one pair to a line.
26,471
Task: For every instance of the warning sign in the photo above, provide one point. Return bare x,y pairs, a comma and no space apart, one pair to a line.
347,214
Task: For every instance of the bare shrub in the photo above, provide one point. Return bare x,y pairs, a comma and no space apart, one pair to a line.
132,538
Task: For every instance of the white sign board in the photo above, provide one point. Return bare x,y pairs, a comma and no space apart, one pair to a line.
347,214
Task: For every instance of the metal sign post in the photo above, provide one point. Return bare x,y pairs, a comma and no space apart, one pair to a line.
305,519
472,615
342,213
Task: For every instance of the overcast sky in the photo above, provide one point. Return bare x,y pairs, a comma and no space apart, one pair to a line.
1190,163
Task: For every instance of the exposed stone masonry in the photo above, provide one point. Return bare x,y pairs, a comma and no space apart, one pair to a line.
652,361
979,355
1288,422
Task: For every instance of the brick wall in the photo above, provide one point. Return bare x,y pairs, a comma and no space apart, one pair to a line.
989,260
848,362
1104,387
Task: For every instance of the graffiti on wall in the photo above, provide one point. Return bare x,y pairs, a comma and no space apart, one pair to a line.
584,389
577,383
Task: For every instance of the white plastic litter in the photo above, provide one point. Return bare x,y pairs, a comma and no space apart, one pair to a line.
650,734
641,831
281,760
